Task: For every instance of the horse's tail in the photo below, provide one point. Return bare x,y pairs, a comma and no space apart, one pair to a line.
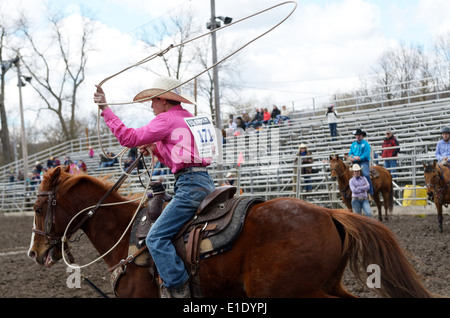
391,196
367,242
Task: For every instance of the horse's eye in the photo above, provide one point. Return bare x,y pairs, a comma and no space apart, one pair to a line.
38,210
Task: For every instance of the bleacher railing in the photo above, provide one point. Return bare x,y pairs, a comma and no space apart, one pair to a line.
284,178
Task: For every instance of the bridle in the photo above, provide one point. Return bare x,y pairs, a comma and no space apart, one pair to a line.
340,173
344,192
50,239
435,186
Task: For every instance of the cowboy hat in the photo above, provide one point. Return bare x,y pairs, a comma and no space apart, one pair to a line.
164,87
356,167
359,132
302,145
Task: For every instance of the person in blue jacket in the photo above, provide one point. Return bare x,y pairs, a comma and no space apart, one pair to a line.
360,154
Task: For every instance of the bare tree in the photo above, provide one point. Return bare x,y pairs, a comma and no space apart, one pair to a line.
59,73
7,156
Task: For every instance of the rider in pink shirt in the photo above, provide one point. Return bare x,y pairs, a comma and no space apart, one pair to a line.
175,145
170,139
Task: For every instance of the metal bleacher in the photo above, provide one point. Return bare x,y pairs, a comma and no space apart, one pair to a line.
266,156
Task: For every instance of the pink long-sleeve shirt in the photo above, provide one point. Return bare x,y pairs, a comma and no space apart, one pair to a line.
175,145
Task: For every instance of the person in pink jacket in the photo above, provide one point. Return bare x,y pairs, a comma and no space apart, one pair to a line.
170,139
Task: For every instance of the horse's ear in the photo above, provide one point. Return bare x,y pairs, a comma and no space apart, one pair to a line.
331,157
434,163
424,164
53,175
67,169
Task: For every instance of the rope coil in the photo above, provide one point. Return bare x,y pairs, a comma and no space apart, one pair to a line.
122,152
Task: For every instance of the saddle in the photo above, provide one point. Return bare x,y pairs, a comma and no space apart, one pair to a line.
216,224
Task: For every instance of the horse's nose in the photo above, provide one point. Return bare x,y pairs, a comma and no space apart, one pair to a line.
32,255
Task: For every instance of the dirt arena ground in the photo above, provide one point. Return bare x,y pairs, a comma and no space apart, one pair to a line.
20,277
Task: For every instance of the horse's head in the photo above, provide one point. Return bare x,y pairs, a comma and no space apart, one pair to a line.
45,246
337,167
432,178
58,199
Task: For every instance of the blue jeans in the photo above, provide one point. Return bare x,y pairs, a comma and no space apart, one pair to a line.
391,164
365,170
190,190
364,205
333,130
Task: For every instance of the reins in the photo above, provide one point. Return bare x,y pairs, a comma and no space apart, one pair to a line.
93,209
125,174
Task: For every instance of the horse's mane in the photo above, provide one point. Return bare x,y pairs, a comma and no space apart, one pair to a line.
66,182
429,168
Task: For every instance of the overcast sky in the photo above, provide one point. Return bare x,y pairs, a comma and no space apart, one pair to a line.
323,48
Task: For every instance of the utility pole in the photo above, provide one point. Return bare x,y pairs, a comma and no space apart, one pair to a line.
215,68
22,121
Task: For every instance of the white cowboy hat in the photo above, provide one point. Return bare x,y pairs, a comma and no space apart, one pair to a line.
356,167
168,87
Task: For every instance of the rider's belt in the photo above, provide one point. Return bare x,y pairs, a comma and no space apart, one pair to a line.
190,169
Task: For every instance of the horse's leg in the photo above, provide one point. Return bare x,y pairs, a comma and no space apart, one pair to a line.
440,217
386,203
376,198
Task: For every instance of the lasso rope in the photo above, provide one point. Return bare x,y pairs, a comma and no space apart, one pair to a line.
145,60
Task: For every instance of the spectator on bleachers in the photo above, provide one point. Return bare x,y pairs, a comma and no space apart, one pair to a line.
38,167
73,168
332,121
132,153
246,118
266,116
240,123
103,161
443,147
257,119
56,162
273,116
50,162
285,114
91,152
360,153
82,165
390,154
11,174
232,124
67,161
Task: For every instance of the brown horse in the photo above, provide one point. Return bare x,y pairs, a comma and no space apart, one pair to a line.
287,247
437,180
383,183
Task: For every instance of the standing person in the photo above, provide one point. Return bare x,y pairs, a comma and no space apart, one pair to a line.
360,153
388,142
166,135
307,159
359,186
443,147
332,121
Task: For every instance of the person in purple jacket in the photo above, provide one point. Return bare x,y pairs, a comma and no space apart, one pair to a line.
359,187
170,139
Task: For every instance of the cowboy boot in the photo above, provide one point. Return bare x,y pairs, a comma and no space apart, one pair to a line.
164,292
181,292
